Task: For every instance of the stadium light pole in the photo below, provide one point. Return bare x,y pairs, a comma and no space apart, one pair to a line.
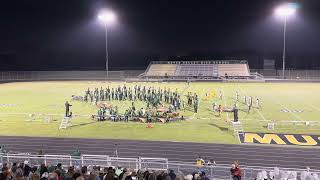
285,11
107,17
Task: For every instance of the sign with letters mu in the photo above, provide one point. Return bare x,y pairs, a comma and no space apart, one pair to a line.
280,139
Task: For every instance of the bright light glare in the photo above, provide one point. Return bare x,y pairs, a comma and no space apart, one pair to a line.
107,17
286,10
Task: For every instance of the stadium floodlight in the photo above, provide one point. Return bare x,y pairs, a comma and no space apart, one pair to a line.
107,17
285,11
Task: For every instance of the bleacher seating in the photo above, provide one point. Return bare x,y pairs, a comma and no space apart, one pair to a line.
161,70
198,69
236,70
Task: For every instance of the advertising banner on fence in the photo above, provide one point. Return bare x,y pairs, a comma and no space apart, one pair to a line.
280,139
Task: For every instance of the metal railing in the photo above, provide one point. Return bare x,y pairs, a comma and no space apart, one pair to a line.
220,171
85,159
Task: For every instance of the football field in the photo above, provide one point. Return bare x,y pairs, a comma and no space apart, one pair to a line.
293,107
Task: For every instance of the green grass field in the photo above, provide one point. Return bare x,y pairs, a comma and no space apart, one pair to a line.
18,100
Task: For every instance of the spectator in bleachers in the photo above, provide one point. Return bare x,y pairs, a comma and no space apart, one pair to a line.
53,176
140,175
195,176
5,173
146,175
235,171
172,175
70,172
58,173
14,168
132,176
188,177
35,176
34,173
93,176
84,172
211,162
110,174
26,170
44,171
259,176
315,176
16,172
19,177
180,177
203,176
80,178
19,170
200,162
61,170
264,175
127,173
122,173
76,175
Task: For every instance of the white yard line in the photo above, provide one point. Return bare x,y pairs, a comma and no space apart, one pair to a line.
225,103
242,90
260,114
314,107
279,103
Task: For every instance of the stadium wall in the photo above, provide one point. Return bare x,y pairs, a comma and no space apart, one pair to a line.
289,74
6,76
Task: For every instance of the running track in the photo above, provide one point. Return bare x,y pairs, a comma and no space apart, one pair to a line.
251,155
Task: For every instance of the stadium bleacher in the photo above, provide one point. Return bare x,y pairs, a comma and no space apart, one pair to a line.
155,70
198,69
235,70
210,70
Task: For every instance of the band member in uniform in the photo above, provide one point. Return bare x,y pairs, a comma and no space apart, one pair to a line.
214,107
220,109
220,94
237,96
258,103
67,106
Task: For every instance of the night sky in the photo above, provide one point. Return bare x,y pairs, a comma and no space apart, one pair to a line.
66,35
